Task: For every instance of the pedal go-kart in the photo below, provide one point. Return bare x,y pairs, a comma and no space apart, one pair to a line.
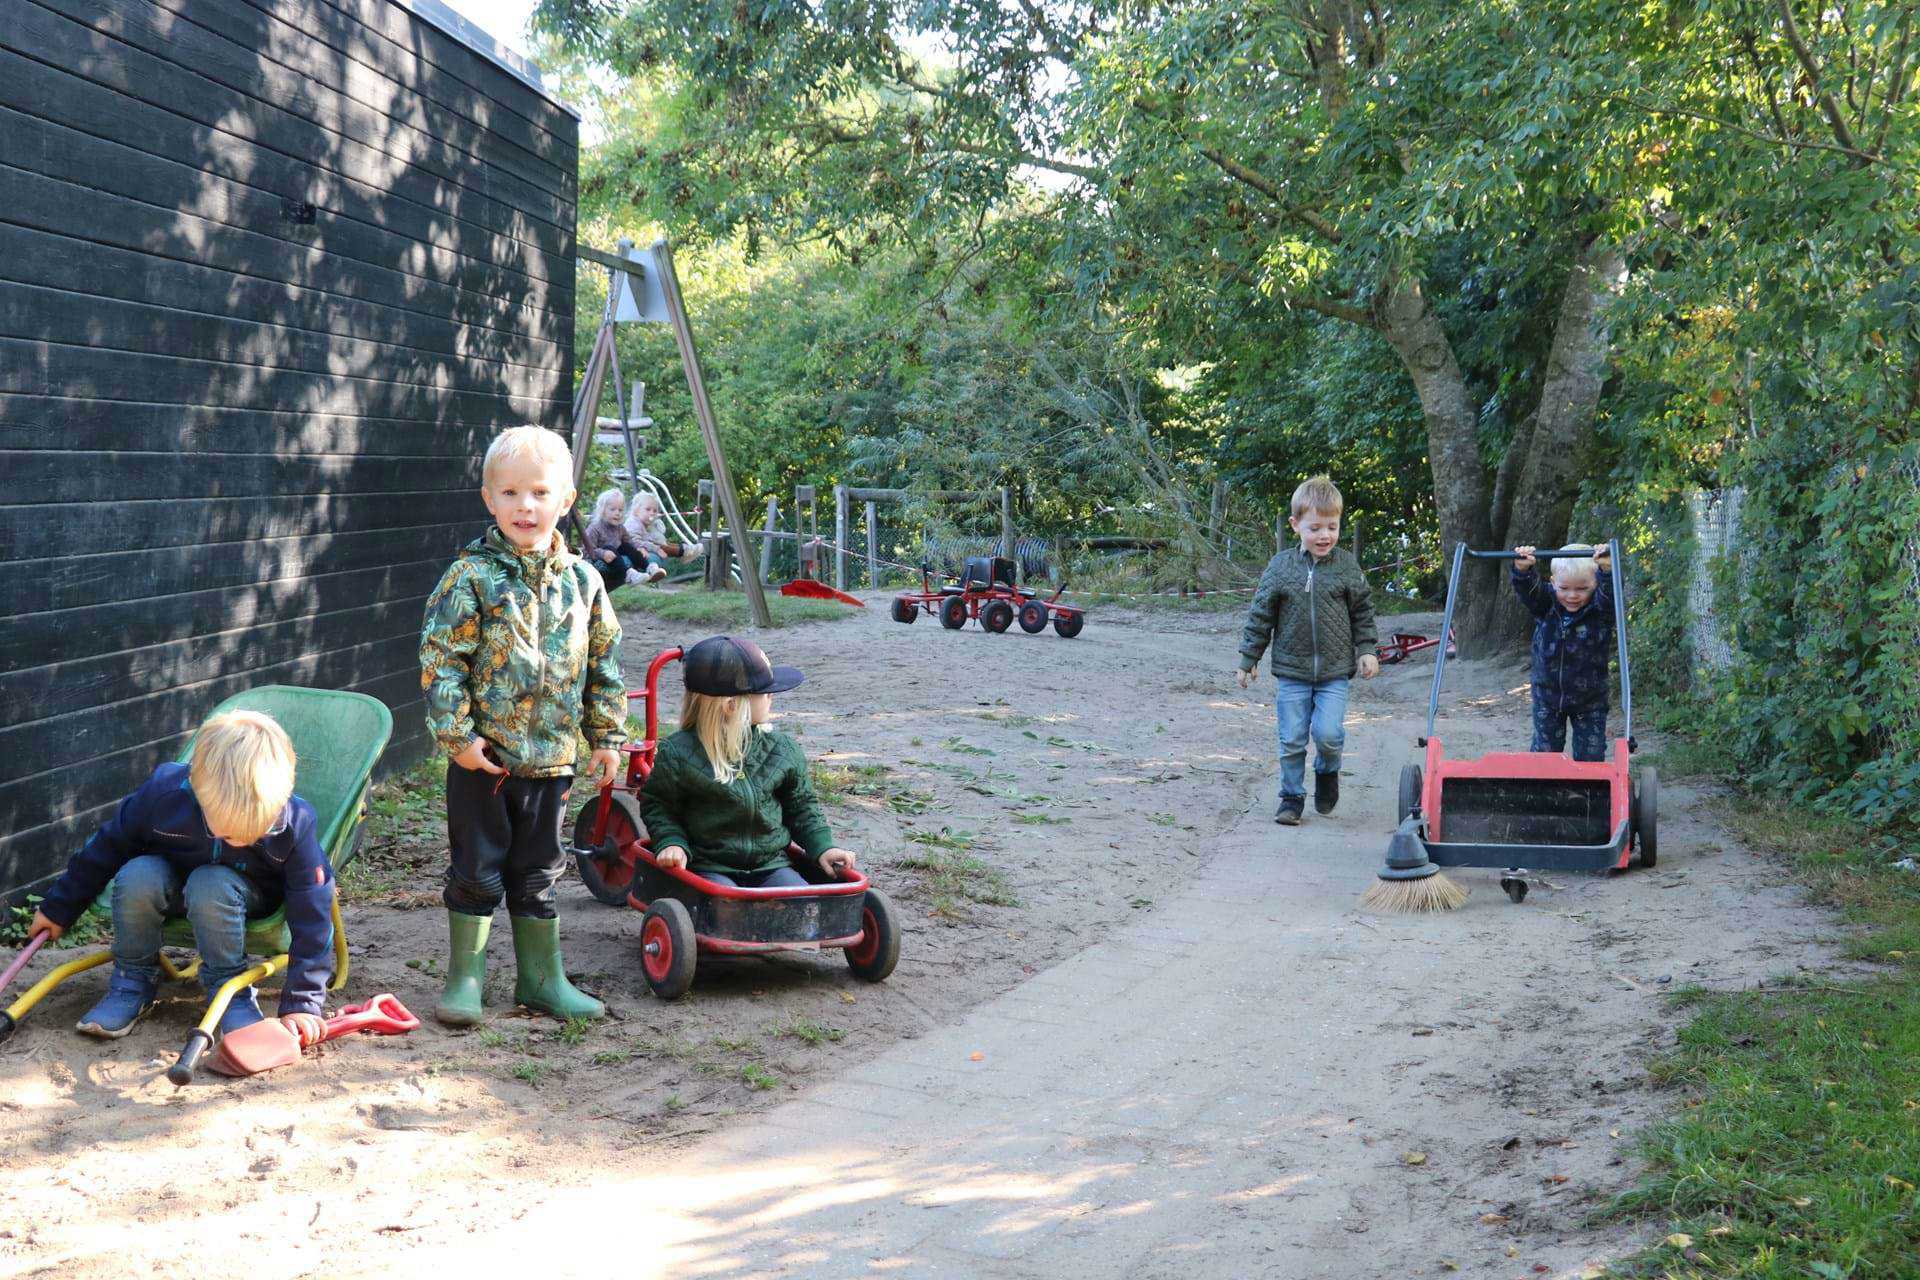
1522,810
685,914
986,591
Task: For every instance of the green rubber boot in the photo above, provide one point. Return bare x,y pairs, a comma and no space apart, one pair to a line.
466,970
542,983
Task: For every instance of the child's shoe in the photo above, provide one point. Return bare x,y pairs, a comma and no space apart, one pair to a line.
542,983
1291,807
129,998
460,1002
633,578
1326,792
656,573
241,1011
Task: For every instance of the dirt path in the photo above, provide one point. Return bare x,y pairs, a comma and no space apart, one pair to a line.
1099,783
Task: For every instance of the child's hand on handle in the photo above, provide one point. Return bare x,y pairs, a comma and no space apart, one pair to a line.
474,758
837,861
43,925
1603,558
1369,666
311,1028
673,856
1246,678
1523,559
603,767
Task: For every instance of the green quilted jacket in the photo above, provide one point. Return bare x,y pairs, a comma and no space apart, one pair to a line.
739,826
1317,614
524,651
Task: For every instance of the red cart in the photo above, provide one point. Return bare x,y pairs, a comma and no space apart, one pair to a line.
986,591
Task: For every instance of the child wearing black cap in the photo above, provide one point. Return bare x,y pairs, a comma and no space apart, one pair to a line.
728,793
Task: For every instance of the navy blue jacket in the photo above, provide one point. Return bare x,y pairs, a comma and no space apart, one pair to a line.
1570,650
287,864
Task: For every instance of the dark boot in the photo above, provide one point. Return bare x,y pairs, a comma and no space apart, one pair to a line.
1326,792
542,983
466,970
1291,807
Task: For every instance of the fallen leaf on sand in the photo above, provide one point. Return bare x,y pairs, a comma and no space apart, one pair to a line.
1492,1219
1555,1178
1593,1273
1680,1240
847,997
976,1056
1414,1157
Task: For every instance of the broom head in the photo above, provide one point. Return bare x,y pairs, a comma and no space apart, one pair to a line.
1409,882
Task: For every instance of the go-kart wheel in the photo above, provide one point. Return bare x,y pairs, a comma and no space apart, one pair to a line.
1410,782
997,616
1646,816
873,957
953,612
668,949
1516,889
1033,617
606,877
904,610
1067,623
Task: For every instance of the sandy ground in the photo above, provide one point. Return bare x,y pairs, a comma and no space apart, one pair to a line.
1093,776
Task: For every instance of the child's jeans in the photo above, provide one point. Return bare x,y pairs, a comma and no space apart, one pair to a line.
777,878
216,900
1302,708
1589,730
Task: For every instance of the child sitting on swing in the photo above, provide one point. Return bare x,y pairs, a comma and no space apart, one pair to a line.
729,793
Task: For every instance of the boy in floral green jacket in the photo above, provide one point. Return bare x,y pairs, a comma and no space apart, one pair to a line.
519,656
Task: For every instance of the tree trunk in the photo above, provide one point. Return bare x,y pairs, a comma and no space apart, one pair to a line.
1556,450
1453,445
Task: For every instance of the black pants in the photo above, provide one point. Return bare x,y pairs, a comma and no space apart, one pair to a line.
504,837
614,573
1589,730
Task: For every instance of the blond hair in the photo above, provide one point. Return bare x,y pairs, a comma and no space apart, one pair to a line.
1573,571
527,442
242,774
606,499
1317,493
724,726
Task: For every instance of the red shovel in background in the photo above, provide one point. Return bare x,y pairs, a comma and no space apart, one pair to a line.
271,1043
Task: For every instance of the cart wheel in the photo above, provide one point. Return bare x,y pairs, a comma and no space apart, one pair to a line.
1516,889
878,950
1068,623
1646,816
997,617
668,948
1033,617
1410,780
904,610
601,870
953,612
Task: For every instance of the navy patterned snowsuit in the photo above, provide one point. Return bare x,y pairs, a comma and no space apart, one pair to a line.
1570,652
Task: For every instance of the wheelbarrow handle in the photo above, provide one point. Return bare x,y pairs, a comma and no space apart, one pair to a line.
383,1015
38,941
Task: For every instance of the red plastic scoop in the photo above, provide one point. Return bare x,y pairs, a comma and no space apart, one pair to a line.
271,1043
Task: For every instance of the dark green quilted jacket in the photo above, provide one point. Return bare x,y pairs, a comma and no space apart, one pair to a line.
744,825
1317,615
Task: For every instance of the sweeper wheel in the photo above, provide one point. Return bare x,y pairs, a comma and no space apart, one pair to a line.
1646,816
953,613
600,867
1410,781
668,948
1033,617
997,617
904,610
1516,889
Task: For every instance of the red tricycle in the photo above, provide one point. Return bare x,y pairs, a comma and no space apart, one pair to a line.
986,591
685,913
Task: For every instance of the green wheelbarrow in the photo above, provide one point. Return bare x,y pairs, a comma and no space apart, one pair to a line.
337,736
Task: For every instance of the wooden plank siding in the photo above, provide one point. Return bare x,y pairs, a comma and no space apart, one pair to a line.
235,448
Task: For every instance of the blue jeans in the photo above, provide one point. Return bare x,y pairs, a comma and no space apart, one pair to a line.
215,900
778,878
1300,708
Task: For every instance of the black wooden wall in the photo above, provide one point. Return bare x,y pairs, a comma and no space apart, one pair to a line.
238,446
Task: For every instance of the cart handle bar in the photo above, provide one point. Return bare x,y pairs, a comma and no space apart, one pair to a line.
1460,553
852,882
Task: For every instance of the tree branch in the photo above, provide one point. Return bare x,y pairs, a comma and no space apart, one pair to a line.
1862,157
1766,79
1821,93
835,133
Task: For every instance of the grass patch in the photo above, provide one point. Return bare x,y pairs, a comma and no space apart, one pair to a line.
530,1072
574,1030
724,609
807,1031
1797,1149
836,783
757,1077
953,875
